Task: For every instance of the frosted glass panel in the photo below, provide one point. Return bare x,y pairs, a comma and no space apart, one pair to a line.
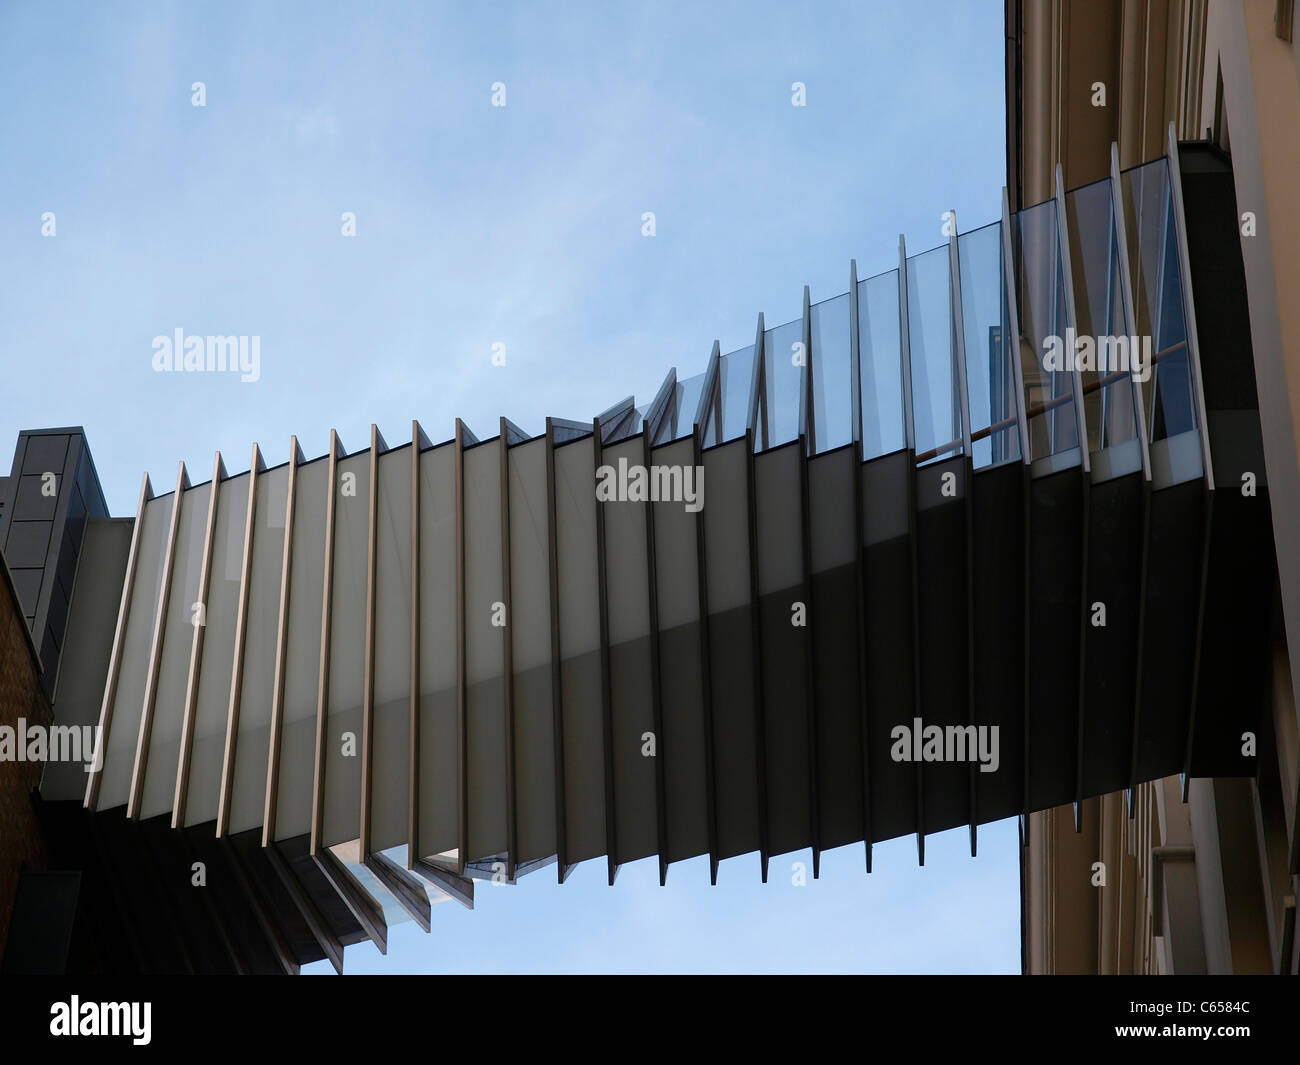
342,820
213,706
302,658
390,758
248,792
178,641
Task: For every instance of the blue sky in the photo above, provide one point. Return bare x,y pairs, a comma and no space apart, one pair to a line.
478,225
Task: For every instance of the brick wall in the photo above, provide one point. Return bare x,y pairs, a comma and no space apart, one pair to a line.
20,696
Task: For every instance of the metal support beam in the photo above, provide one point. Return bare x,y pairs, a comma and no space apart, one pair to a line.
1139,413
377,447
323,669
256,465
459,888
706,671
562,864
418,444
1009,281
271,805
462,695
508,663
968,467
196,652
859,569
355,897
756,650
606,685
320,929
402,886
909,436
656,684
1081,429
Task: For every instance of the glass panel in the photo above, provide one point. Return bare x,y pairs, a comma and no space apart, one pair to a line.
832,373
680,420
631,710
342,819
990,375
735,374
1158,299
438,799
530,631
213,706
936,399
1049,386
881,365
302,655
782,381
1099,307
248,790
580,672
390,758
485,707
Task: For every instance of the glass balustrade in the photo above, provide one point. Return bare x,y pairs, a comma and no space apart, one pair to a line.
1104,344
990,374
832,373
880,358
1107,344
936,396
1159,306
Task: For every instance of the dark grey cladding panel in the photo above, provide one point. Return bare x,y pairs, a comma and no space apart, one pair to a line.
1055,610
438,805
940,484
83,667
784,616
485,629
529,631
347,652
45,453
302,653
998,587
1169,641
780,550
390,780
584,757
942,572
732,666
31,502
683,747
835,649
831,502
885,495
27,543
887,573
626,567
1110,649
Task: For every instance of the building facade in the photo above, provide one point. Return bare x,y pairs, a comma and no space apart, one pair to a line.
1200,874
